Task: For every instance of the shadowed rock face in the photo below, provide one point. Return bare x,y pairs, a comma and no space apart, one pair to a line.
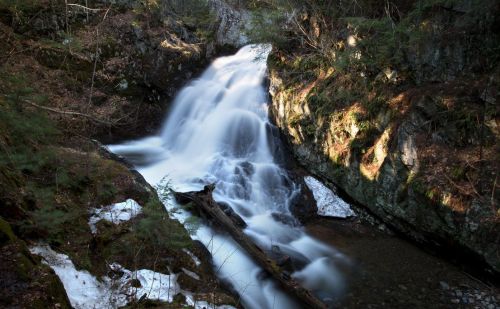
416,166
388,189
25,281
303,205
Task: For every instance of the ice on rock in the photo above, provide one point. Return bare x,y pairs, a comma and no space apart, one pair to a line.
329,204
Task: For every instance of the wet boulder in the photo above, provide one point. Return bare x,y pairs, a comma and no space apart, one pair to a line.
303,205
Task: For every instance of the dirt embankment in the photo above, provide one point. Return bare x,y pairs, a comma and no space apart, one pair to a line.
109,72
68,75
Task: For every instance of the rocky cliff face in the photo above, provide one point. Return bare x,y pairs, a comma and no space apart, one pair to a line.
232,23
384,180
413,156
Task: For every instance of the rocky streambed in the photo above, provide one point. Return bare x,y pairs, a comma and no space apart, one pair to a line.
389,272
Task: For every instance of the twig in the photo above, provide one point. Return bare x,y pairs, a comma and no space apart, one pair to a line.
66,16
85,8
96,57
472,185
10,53
460,188
470,165
493,206
87,12
484,284
225,260
71,113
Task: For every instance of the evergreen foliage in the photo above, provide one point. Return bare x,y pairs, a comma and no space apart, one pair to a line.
157,228
370,36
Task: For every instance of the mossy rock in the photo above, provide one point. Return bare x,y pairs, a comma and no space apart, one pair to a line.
6,233
26,282
59,58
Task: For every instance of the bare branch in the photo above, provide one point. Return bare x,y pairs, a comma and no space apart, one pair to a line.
493,203
96,56
85,8
72,113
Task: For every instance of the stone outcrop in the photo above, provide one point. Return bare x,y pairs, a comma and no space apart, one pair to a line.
415,143
26,282
384,179
232,23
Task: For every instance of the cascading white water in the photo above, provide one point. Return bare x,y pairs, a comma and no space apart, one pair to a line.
218,132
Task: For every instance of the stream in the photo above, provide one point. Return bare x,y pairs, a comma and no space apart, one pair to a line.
218,131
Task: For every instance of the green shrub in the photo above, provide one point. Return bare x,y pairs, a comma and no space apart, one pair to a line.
22,130
157,228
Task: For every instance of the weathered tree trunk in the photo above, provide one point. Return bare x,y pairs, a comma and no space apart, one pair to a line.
208,208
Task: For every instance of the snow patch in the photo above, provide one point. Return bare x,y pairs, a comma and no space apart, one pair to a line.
154,285
329,204
115,213
87,292
190,273
84,290
196,260
198,304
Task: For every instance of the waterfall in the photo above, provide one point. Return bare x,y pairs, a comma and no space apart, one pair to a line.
218,131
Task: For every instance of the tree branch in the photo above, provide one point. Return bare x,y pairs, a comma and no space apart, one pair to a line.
85,8
72,113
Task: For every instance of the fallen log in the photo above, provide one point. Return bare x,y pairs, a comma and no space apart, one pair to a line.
212,211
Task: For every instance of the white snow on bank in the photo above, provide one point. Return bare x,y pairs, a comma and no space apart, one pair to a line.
115,213
329,204
154,285
87,292
84,290
198,304
190,273
195,259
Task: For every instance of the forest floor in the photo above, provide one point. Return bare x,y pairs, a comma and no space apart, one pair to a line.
67,77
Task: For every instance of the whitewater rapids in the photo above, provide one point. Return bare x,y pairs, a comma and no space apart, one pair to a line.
218,131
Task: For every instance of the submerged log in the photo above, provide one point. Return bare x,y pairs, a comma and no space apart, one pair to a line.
209,208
